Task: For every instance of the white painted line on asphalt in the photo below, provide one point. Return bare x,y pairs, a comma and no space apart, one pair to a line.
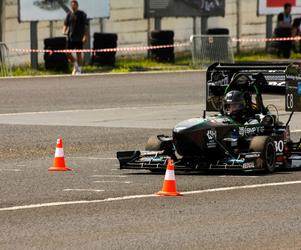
275,184
238,176
133,197
109,176
83,190
10,170
91,110
296,131
120,182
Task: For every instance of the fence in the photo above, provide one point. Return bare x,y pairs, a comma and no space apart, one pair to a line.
5,67
207,49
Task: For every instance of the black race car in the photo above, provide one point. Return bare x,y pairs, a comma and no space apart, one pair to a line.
260,141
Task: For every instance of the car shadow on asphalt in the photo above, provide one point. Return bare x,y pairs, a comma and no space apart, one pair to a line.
258,173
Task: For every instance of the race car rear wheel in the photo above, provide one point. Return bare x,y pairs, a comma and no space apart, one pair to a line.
265,145
153,144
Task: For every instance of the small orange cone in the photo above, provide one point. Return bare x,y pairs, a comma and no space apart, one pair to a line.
59,158
169,185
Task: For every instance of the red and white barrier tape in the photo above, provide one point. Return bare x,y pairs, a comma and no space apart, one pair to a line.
274,39
145,48
127,49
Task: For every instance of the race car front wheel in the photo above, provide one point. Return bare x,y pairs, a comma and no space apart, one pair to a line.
265,146
153,144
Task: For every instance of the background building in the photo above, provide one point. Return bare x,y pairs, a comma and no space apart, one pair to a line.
127,20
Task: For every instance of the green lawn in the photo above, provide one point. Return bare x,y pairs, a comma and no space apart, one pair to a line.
123,64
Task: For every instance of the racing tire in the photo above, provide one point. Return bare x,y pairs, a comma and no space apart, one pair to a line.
153,144
55,42
56,61
265,145
104,41
165,35
162,37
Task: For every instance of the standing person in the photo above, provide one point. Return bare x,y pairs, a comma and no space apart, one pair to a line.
284,29
75,26
295,33
284,19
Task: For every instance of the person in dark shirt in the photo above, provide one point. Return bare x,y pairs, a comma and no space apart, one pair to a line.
295,33
284,19
284,29
75,28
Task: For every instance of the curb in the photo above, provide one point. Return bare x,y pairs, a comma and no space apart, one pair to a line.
103,74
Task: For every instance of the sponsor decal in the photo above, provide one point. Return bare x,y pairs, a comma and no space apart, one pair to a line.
252,156
278,78
248,165
248,131
296,163
211,134
299,88
292,77
277,84
211,138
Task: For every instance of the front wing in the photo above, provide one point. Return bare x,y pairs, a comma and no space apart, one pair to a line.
157,161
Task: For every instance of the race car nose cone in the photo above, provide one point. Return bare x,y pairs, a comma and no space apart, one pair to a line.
184,125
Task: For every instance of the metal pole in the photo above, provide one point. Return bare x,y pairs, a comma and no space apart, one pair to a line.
148,36
204,24
238,30
2,6
269,29
102,25
194,26
157,23
34,44
51,29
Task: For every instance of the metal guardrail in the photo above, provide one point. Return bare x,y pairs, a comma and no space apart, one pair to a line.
208,49
5,67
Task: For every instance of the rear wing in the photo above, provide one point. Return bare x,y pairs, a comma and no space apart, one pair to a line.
219,76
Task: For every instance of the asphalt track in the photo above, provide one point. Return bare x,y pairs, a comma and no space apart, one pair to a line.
97,206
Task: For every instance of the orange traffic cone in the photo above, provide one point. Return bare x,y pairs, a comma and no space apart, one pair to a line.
59,159
169,185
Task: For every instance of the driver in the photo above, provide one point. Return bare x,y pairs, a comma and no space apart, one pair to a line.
235,106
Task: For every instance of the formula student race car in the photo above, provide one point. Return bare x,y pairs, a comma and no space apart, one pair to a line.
258,141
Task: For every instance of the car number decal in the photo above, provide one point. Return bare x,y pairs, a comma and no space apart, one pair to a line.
279,146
